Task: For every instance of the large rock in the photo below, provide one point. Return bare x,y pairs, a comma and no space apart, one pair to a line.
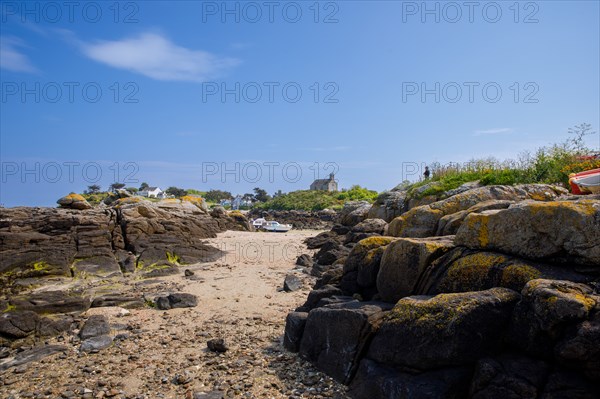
37,242
51,302
74,201
168,231
422,221
365,229
294,328
321,239
462,270
335,336
403,263
354,212
425,333
547,308
508,376
449,224
14,325
94,326
579,348
375,381
567,231
362,265
388,206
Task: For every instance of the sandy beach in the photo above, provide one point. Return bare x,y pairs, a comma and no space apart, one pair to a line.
163,354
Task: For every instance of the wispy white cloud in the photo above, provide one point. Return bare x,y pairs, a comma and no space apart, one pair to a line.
11,58
501,130
156,57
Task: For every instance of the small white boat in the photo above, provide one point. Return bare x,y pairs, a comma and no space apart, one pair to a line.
258,223
276,227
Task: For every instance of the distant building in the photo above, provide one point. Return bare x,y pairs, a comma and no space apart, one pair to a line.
325,184
152,192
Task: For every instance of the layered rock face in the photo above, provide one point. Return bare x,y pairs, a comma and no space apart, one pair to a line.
507,305
45,247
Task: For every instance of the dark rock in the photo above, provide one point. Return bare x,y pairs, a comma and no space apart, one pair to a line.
50,302
304,260
340,229
580,349
546,309
508,376
54,325
96,343
294,328
375,381
335,336
120,300
217,345
162,303
292,283
31,355
18,324
209,395
333,276
564,384
179,300
330,252
94,326
320,239
188,273
424,333
128,264
316,295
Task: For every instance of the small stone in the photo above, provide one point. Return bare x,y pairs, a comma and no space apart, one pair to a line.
217,345
188,273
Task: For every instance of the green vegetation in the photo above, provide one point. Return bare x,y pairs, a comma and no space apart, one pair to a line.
310,200
551,165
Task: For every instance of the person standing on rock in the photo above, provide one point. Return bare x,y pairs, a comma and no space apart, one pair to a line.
427,173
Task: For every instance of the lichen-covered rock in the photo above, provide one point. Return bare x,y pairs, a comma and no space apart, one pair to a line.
335,335
362,265
449,224
422,221
462,270
567,231
74,201
546,309
425,333
403,262
375,381
508,376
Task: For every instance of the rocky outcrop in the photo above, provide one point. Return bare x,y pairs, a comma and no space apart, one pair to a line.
560,231
423,221
45,250
507,307
74,201
404,261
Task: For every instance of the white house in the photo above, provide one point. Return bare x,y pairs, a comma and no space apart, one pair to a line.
152,192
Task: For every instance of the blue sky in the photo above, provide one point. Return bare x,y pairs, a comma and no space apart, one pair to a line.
201,95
